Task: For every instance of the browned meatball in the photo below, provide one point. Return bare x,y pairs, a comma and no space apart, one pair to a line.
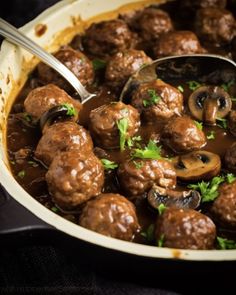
182,135
152,23
215,25
41,99
75,61
157,101
108,37
196,4
123,64
103,123
224,207
111,215
232,122
74,177
138,176
185,229
177,43
62,137
230,158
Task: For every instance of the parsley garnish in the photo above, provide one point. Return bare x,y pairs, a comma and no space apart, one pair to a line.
32,163
225,244
208,190
133,141
226,86
122,125
193,85
230,177
107,164
160,242
54,209
211,135
198,124
21,174
138,165
149,233
180,88
27,117
98,64
151,151
222,123
154,98
70,110
161,208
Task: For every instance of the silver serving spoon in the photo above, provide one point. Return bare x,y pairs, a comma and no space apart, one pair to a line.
16,37
205,68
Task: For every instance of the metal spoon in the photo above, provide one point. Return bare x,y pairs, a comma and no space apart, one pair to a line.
16,37
205,68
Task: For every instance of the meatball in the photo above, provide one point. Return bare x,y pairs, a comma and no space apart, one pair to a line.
138,176
182,135
215,25
123,64
152,23
224,207
230,158
185,229
104,120
108,37
177,43
111,215
62,136
42,99
193,5
157,101
75,61
74,177
232,122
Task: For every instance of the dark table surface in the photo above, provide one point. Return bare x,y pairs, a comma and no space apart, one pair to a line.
50,263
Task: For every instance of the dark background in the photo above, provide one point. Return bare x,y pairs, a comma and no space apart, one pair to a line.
44,262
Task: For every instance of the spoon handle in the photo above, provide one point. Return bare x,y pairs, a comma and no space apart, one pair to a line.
17,38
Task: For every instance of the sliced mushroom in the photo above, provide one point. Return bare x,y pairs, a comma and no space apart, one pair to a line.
208,103
170,198
197,165
56,113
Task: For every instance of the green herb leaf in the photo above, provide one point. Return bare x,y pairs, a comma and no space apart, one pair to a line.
180,88
27,117
70,110
211,135
133,141
222,123
55,209
208,190
149,233
199,125
230,177
226,86
122,125
160,242
225,244
138,165
154,98
21,174
151,151
107,164
161,208
193,85
33,163
98,64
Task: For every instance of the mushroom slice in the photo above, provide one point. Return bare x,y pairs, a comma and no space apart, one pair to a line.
59,112
170,198
197,165
207,103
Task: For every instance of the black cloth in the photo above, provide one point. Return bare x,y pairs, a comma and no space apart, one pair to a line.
43,264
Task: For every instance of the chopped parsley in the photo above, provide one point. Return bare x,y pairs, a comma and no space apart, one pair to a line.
33,164
131,141
122,125
193,85
27,117
54,209
70,110
230,177
138,165
149,233
151,151
226,86
224,244
160,242
180,88
107,164
154,98
21,174
208,190
211,135
199,125
222,123
98,64
161,208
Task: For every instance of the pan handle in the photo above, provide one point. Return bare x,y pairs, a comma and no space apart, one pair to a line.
14,218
